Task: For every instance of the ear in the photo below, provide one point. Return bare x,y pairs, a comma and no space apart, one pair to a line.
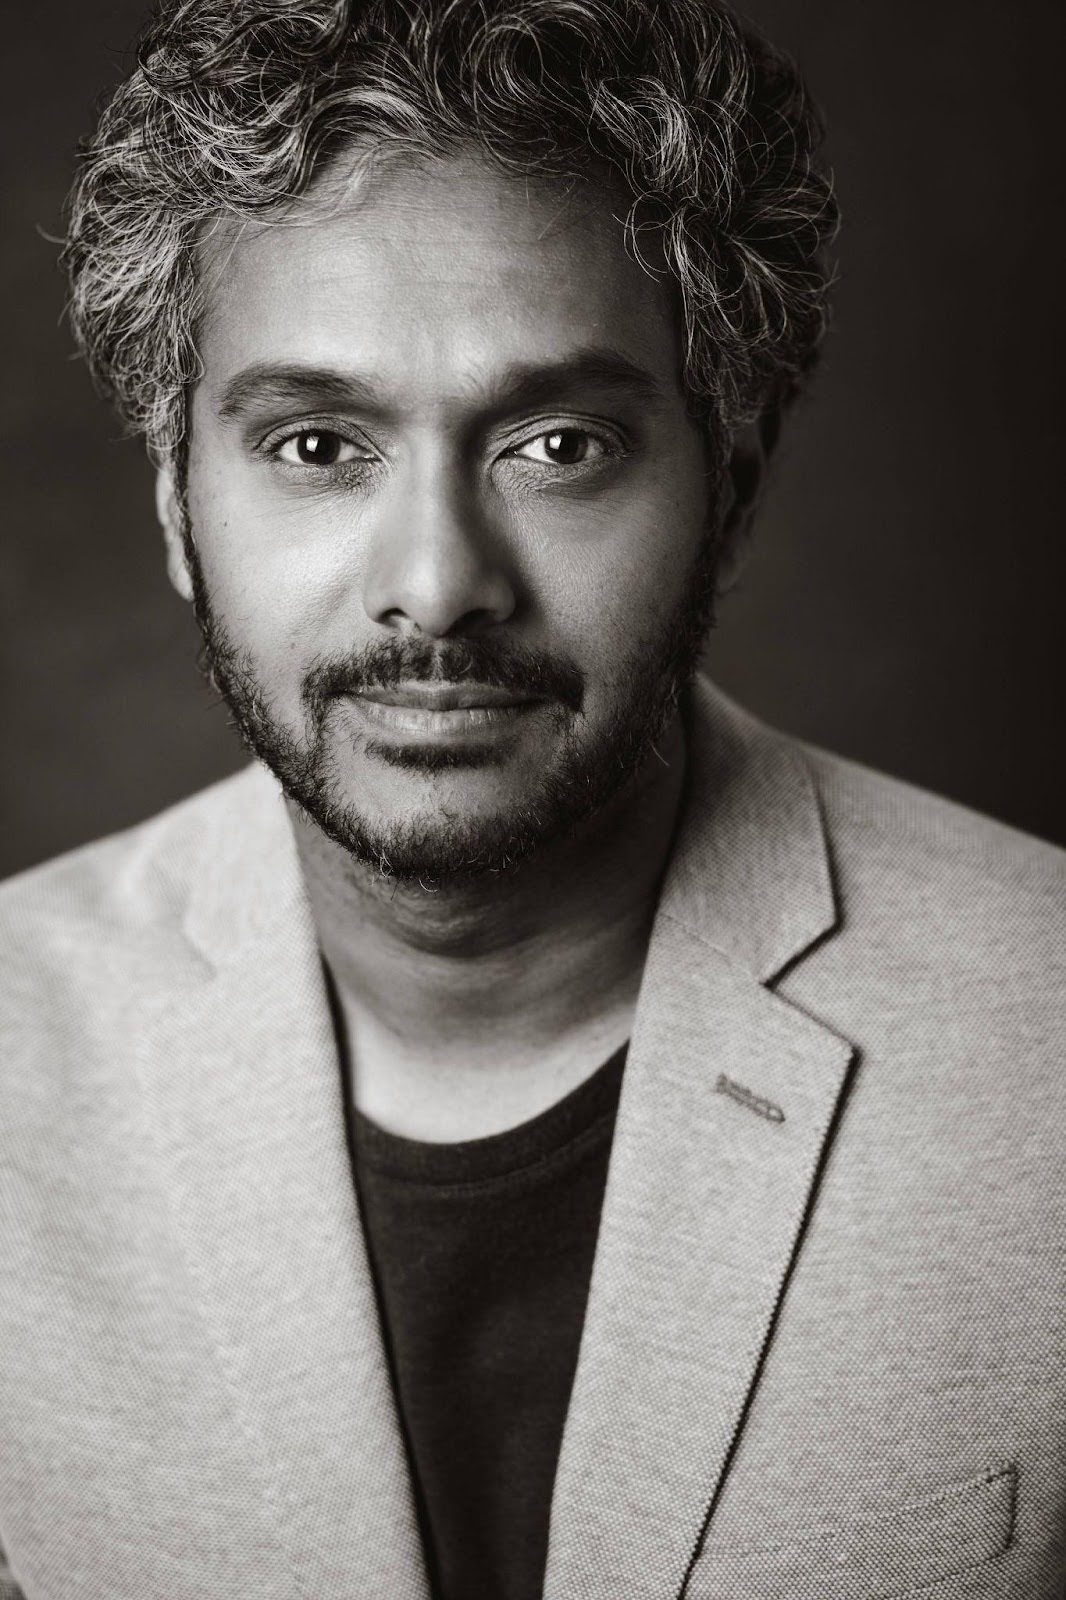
169,512
744,476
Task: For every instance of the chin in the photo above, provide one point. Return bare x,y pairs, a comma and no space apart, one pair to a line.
442,826
430,850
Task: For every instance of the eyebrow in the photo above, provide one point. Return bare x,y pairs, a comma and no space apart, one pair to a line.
518,387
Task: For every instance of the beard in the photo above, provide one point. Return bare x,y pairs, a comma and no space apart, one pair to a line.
444,847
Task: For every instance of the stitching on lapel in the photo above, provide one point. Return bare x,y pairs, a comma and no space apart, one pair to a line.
812,1196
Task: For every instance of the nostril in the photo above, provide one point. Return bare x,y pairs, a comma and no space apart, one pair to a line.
438,600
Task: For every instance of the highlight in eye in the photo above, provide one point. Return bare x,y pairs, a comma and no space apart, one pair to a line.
564,447
317,447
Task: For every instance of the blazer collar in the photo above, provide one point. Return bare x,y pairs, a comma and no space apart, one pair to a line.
749,873
242,1077
245,883
728,1104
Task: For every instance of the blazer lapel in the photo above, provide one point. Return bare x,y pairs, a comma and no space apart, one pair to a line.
727,1105
246,1101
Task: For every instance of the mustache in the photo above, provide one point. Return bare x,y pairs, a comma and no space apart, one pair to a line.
497,664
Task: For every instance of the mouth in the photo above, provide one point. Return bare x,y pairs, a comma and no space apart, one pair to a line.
442,711
444,697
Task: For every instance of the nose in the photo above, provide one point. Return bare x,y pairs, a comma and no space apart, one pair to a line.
437,565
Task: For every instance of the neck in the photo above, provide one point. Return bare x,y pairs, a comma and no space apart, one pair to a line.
471,1005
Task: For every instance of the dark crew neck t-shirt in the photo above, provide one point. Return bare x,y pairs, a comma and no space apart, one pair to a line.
482,1254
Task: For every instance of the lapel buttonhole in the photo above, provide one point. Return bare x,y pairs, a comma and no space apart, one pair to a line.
755,1102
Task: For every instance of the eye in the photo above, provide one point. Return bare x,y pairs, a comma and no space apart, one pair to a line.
318,447
562,447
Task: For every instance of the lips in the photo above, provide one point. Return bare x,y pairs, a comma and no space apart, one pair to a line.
442,713
444,697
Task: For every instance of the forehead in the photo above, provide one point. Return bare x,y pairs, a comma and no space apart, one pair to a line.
433,275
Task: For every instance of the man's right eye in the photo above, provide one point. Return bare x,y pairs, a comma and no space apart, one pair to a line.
318,447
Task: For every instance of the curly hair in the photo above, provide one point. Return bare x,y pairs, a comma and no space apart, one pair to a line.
235,106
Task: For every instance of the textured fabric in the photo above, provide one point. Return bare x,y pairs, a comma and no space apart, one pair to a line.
9,1589
482,1253
945,1535
824,1340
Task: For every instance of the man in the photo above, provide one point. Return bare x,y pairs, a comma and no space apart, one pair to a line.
538,1131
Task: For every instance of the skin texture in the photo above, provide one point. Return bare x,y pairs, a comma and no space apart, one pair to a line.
563,528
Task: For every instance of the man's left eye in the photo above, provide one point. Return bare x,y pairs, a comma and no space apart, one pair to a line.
317,447
562,447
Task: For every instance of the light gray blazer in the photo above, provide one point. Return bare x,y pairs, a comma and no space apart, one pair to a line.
823,1357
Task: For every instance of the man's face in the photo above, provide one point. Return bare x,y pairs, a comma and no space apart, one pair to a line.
450,526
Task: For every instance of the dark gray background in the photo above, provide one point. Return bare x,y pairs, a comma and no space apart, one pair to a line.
903,602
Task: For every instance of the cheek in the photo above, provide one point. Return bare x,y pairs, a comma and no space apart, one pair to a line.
605,597
283,577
